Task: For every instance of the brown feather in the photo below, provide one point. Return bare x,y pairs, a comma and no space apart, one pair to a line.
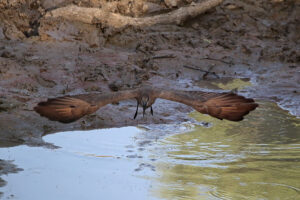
64,109
220,105
228,106
71,108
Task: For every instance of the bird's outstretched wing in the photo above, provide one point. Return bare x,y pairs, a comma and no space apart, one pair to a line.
220,105
228,106
68,109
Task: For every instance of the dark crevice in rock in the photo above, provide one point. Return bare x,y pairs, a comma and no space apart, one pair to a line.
34,31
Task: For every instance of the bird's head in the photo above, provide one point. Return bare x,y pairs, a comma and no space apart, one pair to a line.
145,101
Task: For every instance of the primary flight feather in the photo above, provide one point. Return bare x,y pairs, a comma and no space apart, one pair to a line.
219,105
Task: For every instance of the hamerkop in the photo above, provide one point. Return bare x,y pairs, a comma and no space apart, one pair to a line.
68,109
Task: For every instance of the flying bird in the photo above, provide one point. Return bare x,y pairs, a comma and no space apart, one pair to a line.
226,105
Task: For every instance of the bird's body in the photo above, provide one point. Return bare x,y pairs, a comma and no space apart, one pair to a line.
220,105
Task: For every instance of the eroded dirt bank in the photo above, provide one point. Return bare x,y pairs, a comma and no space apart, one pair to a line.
45,56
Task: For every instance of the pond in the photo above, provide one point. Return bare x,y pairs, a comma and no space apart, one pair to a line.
258,158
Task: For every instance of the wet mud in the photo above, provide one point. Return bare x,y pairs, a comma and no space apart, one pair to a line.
39,58
256,43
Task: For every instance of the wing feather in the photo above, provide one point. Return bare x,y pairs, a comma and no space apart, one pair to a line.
71,108
64,109
219,105
228,106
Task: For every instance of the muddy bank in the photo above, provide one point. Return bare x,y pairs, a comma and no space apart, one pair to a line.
42,56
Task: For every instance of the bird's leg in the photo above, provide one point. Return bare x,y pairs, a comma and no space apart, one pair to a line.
151,111
136,112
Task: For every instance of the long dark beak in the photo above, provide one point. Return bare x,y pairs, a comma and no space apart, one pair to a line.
144,109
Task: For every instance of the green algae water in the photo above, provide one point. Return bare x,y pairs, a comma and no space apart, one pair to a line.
257,158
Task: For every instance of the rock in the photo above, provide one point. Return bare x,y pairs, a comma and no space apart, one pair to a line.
11,32
277,1
172,3
232,7
7,54
149,8
8,104
1,33
116,85
48,4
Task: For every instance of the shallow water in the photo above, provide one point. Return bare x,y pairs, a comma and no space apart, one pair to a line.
90,165
258,158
